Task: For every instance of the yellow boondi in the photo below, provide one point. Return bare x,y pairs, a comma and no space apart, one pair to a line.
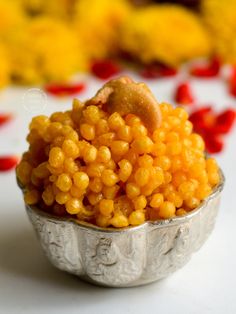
164,33
110,170
220,18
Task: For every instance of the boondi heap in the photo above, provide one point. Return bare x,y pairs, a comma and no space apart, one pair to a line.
111,169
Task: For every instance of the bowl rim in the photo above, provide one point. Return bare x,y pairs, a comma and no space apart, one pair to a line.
160,223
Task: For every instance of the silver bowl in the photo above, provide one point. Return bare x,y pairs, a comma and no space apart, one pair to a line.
129,256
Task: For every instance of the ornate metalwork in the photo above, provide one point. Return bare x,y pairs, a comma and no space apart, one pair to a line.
125,257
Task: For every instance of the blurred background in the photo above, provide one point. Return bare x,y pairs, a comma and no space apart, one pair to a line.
50,41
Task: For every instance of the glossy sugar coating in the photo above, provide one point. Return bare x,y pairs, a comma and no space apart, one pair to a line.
111,170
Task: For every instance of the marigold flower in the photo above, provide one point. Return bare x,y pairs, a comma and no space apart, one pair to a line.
47,50
220,17
58,8
11,17
97,24
159,33
4,66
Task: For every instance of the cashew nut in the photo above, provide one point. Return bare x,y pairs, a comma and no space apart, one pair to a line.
125,96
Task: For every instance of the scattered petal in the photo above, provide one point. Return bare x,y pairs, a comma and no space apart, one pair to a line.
157,71
232,82
214,143
183,94
225,121
5,117
211,69
105,69
200,113
65,89
203,119
213,126
167,72
8,163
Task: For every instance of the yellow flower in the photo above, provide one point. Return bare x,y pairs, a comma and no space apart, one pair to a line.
46,50
165,33
11,18
4,66
97,23
57,8
220,17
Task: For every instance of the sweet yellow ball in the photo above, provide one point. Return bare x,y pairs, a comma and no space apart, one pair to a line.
81,180
56,157
74,206
167,210
106,207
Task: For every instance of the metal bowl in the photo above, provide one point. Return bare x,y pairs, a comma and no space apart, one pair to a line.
129,256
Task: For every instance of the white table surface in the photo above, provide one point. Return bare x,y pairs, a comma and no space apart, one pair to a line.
29,284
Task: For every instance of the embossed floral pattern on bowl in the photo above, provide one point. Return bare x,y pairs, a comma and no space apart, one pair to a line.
129,256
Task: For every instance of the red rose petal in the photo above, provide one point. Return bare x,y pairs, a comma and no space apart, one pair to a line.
206,71
8,163
183,94
64,89
203,119
225,121
168,72
212,126
199,114
5,117
232,82
150,72
157,71
105,69
214,143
